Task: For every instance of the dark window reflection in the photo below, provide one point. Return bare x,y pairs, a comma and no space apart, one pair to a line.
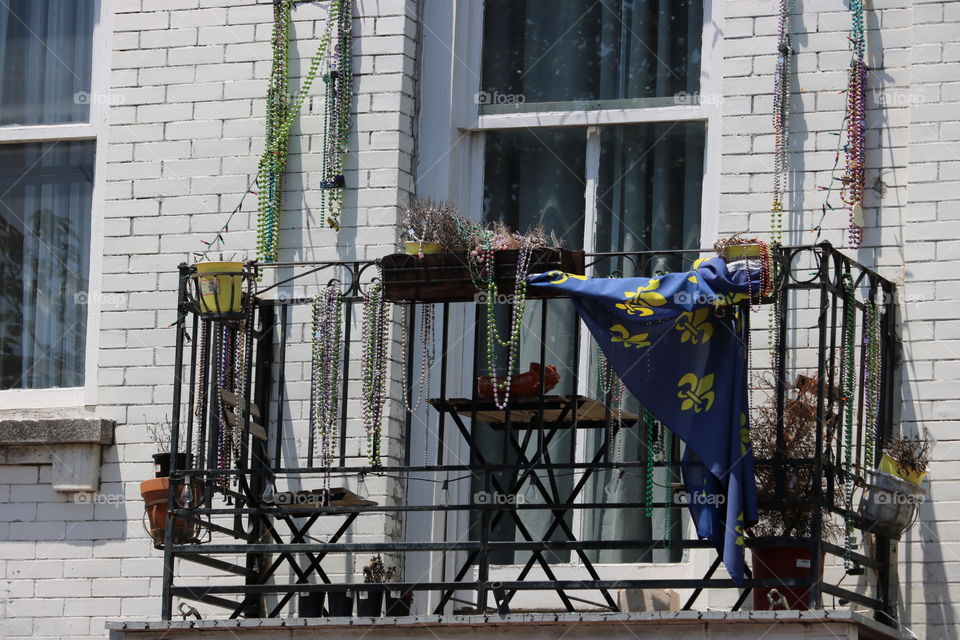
579,50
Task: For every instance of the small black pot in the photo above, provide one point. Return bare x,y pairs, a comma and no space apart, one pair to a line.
339,604
398,606
161,463
370,606
311,604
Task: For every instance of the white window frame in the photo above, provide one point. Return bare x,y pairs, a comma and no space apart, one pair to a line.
95,129
450,166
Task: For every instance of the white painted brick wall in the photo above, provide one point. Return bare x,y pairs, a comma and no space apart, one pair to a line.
912,103
184,143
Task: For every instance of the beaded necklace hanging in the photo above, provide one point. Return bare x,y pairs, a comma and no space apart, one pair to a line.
426,362
668,498
224,375
781,117
481,263
336,118
374,367
854,179
650,425
871,347
326,339
280,118
848,389
611,390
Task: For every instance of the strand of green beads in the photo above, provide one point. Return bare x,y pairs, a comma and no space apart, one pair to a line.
668,509
650,425
848,381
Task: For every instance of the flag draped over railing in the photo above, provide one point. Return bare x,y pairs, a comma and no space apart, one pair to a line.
678,342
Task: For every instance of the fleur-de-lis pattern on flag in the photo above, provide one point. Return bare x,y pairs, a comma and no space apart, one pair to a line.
678,343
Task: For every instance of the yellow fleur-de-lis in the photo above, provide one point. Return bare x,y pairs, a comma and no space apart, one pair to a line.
697,395
695,326
744,434
639,302
738,529
622,335
562,277
698,262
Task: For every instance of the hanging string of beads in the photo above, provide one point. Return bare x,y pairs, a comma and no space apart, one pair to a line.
483,272
326,342
224,376
611,390
871,347
374,367
336,117
781,120
650,427
272,164
848,382
854,180
428,356
668,491
280,115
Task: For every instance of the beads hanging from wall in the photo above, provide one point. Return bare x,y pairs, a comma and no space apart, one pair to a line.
326,339
848,391
336,117
373,365
280,116
871,379
781,133
854,179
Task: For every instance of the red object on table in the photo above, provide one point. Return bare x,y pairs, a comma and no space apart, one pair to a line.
522,385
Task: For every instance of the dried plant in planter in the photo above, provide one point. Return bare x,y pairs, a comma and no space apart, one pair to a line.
376,572
912,454
799,441
427,220
720,246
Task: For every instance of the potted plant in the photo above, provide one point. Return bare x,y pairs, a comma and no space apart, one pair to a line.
892,492
429,227
781,514
219,288
370,603
339,603
155,492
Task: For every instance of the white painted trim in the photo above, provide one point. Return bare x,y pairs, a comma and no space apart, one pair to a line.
95,129
583,118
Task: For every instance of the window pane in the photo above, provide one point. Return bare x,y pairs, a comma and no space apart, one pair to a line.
535,177
649,193
46,47
588,50
44,258
648,197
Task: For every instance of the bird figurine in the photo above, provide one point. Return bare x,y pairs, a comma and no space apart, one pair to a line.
523,385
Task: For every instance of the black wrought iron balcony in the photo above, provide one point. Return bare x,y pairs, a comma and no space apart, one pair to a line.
559,500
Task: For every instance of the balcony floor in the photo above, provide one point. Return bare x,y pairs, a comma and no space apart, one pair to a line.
667,625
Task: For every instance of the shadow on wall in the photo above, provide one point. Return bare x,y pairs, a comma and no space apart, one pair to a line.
940,614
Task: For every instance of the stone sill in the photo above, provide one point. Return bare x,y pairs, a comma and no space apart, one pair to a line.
687,625
68,439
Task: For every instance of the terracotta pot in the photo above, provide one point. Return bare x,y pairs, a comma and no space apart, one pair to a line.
523,385
154,493
784,563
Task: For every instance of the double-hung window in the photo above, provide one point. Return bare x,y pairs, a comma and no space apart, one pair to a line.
597,120
53,67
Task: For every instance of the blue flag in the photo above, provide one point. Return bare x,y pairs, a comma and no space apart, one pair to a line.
678,342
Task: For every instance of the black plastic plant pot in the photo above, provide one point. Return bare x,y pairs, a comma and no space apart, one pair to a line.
161,463
339,604
311,604
398,606
370,604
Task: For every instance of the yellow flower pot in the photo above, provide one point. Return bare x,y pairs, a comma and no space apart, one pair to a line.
427,248
742,251
889,465
221,291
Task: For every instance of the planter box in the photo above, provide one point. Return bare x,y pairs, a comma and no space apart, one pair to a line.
445,277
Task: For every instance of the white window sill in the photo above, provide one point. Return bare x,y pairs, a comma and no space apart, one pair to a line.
68,439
